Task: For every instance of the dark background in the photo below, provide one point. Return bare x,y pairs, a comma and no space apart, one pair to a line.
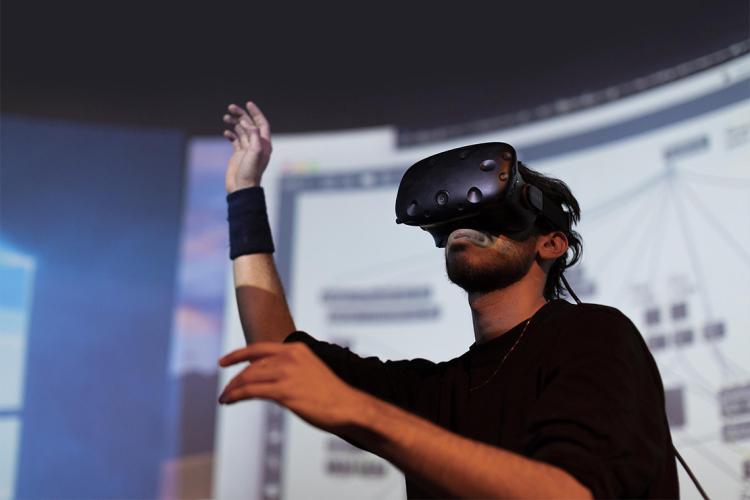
320,66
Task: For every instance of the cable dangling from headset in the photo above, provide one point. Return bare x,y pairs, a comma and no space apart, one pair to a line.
570,290
690,473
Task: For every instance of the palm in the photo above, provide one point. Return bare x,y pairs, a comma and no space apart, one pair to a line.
251,145
245,167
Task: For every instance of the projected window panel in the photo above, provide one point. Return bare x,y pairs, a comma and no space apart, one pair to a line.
16,277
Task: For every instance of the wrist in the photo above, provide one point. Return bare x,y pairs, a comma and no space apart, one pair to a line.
246,183
360,409
240,188
249,230
365,420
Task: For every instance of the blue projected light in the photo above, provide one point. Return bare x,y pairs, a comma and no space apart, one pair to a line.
16,278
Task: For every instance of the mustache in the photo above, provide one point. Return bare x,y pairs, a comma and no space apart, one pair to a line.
476,237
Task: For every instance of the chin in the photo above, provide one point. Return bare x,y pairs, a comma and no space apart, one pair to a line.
476,271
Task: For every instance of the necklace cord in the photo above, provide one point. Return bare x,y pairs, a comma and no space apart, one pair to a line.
502,361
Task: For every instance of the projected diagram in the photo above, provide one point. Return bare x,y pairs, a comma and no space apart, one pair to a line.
657,250
664,193
652,253
682,247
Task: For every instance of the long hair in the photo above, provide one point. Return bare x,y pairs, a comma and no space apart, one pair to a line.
560,193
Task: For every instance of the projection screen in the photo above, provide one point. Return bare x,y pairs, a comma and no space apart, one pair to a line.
663,179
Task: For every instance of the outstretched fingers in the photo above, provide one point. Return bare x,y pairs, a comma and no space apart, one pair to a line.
268,390
241,135
235,114
232,137
253,352
252,135
259,119
256,373
255,144
259,380
246,125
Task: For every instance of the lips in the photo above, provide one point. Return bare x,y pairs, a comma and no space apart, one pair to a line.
461,233
476,237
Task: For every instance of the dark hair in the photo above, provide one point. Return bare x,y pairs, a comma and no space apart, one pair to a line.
560,193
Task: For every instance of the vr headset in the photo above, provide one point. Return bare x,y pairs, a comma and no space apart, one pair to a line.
473,187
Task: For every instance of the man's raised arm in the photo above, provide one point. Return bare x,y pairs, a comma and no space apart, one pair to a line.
264,312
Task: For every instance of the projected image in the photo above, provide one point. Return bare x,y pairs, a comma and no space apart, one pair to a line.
664,188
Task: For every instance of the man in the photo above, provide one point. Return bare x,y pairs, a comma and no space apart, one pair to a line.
552,399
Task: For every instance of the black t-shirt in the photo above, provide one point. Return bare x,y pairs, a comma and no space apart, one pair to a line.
579,391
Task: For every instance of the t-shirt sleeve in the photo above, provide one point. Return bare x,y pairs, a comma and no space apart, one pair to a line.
397,382
600,415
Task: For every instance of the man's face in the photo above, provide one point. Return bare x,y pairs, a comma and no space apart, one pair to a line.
480,262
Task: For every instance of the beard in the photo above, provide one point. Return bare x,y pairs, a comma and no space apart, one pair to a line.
483,270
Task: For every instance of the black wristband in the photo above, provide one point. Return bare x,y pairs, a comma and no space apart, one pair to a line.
249,231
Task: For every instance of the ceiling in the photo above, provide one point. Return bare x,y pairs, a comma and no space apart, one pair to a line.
323,66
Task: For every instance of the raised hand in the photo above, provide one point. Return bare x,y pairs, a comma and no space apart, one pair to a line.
250,135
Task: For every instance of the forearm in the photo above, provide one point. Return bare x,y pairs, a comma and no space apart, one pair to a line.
263,309
451,465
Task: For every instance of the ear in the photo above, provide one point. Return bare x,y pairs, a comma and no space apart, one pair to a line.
552,245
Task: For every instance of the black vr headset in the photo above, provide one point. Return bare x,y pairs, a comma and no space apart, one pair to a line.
473,187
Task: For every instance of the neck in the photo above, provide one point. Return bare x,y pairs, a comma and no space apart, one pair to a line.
496,312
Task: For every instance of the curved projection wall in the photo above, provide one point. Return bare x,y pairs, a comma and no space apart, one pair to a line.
663,180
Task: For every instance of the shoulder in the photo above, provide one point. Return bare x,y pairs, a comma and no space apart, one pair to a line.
602,315
600,343
588,310
593,314
596,326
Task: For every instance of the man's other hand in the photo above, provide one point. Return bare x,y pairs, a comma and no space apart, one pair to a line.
293,376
